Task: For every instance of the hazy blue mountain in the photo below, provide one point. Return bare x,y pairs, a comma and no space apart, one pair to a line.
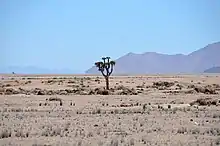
213,70
152,62
35,70
205,58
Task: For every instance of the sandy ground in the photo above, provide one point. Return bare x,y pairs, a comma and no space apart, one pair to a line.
172,110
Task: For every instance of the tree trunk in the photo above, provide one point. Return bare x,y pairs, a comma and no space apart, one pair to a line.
107,83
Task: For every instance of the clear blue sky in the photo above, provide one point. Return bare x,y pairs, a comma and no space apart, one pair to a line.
74,34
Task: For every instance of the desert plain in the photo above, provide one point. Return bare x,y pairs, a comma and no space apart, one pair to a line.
76,110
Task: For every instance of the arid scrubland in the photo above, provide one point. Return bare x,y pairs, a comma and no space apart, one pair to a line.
137,110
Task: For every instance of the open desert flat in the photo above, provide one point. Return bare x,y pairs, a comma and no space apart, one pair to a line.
76,110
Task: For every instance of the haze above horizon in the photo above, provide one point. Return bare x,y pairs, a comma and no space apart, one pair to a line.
71,34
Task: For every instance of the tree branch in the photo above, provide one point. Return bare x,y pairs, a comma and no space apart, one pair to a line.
102,71
111,70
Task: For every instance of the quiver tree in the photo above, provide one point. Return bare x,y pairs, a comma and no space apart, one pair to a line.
106,68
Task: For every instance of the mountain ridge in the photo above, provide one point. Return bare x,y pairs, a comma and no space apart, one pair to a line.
213,70
194,62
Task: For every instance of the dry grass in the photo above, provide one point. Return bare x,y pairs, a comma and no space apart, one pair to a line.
141,110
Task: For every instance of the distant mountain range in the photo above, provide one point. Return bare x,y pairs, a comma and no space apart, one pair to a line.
35,70
213,70
153,63
205,60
